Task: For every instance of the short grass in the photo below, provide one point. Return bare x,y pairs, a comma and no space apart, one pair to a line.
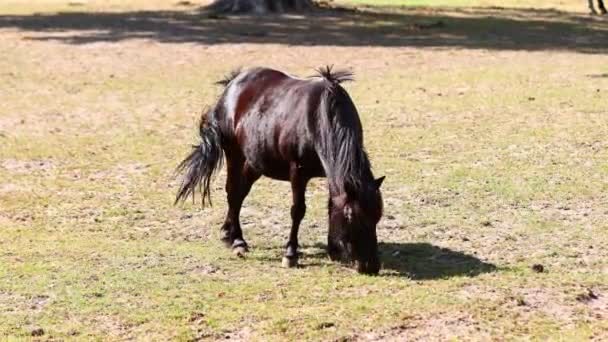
494,148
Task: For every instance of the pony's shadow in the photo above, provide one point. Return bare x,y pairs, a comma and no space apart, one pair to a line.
418,261
423,261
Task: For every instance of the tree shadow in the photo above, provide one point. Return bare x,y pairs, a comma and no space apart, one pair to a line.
479,28
423,261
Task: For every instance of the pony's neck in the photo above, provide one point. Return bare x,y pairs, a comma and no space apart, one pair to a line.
340,141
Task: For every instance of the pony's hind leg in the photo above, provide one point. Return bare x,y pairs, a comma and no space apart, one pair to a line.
239,180
298,210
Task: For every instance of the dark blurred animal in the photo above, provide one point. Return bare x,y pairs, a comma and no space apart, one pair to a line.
291,129
600,5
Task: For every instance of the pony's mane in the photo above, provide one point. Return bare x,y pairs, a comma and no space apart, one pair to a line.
341,136
229,77
334,77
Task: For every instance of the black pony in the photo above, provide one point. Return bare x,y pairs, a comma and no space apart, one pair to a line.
286,128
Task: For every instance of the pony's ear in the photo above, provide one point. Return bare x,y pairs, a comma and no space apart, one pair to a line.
378,182
348,213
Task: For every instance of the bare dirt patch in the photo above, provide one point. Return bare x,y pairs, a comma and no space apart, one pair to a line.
441,326
27,166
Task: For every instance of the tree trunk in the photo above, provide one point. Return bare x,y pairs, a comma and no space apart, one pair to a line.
260,6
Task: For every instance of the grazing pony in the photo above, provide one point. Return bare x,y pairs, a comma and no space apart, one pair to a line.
291,129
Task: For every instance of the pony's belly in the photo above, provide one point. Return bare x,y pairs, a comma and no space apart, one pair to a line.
275,169
279,169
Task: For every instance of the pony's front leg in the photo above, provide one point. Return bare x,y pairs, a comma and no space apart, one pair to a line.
298,209
239,180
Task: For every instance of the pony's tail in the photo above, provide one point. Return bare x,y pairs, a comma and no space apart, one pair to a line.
202,162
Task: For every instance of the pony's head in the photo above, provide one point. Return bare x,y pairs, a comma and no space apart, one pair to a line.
353,216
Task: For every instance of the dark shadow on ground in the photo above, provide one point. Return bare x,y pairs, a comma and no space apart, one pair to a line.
418,261
480,28
423,261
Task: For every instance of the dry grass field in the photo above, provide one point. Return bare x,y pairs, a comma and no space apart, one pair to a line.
490,123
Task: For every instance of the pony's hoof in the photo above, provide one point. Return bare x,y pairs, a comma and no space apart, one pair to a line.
239,248
289,262
239,251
